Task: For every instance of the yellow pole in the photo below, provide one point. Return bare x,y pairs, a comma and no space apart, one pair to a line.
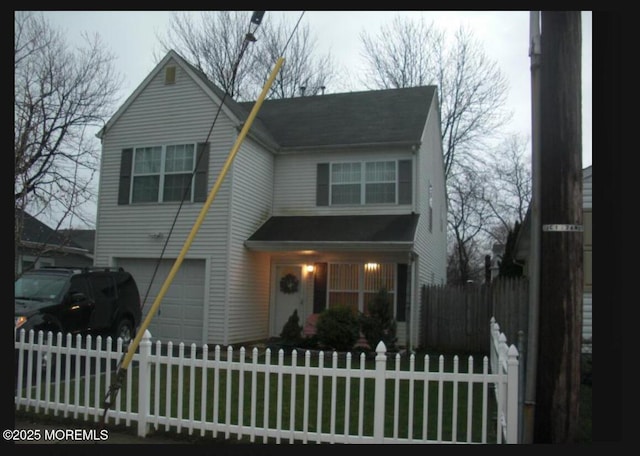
196,226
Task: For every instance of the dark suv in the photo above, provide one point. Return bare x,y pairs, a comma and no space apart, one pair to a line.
102,301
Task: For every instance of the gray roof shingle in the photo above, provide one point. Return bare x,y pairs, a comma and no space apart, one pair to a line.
338,228
388,116
378,116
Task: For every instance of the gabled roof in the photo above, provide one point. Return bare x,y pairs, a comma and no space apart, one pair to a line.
377,117
230,106
336,232
34,233
83,238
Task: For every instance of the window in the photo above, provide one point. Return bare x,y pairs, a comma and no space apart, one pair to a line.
374,182
355,285
162,173
380,182
345,183
430,196
376,185
376,277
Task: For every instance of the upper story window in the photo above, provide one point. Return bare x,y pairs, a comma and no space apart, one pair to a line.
162,173
371,182
350,185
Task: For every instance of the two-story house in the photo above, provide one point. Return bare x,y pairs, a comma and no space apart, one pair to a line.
329,199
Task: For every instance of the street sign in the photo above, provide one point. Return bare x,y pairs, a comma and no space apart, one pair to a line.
560,227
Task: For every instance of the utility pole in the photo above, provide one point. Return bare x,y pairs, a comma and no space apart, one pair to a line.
561,270
531,353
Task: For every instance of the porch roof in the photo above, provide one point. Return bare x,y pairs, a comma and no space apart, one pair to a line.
336,232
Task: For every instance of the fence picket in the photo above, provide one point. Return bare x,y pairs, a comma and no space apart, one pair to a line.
327,390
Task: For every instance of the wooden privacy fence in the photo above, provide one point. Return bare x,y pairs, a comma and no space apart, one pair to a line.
296,400
453,318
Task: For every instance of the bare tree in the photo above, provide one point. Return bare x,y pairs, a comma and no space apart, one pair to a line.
507,186
471,89
303,73
62,95
212,42
466,220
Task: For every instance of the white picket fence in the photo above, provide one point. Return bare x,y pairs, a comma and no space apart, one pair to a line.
291,400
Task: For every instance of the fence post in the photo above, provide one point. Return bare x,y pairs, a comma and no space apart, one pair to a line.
512,395
492,343
144,383
378,420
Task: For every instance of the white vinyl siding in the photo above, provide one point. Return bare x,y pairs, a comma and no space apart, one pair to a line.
295,183
587,220
153,118
430,244
248,272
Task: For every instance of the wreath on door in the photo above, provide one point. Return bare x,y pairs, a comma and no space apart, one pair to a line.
289,284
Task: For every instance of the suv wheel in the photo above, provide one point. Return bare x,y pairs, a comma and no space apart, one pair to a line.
124,330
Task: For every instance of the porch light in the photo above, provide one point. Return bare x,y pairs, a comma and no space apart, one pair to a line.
371,266
310,268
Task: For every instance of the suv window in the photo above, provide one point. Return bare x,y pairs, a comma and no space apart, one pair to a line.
40,287
104,286
104,292
78,284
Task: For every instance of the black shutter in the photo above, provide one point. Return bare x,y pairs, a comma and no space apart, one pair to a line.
202,166
322,184
125,176
320,287
405,175
401,293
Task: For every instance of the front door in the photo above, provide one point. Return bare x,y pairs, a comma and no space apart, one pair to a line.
288,296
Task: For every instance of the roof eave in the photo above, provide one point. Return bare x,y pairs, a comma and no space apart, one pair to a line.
56,248
342,246
183,64
292,149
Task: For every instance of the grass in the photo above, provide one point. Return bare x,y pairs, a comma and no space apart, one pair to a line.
229,404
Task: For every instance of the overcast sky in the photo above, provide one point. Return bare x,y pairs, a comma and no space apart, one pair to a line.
504,35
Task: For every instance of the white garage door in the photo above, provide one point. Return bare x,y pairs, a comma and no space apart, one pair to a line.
180,315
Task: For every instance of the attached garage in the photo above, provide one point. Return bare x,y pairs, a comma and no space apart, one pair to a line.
181,316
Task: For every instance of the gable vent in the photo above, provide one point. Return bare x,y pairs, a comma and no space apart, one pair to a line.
170,75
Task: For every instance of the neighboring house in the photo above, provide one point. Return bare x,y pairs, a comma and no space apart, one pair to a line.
42,246
330,198
85,238
522,253
587,220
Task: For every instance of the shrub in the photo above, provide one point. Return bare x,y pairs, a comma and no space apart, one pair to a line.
378,324
338,328
292,330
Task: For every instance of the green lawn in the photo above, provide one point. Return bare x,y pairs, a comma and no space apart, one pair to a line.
229,405
181,401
